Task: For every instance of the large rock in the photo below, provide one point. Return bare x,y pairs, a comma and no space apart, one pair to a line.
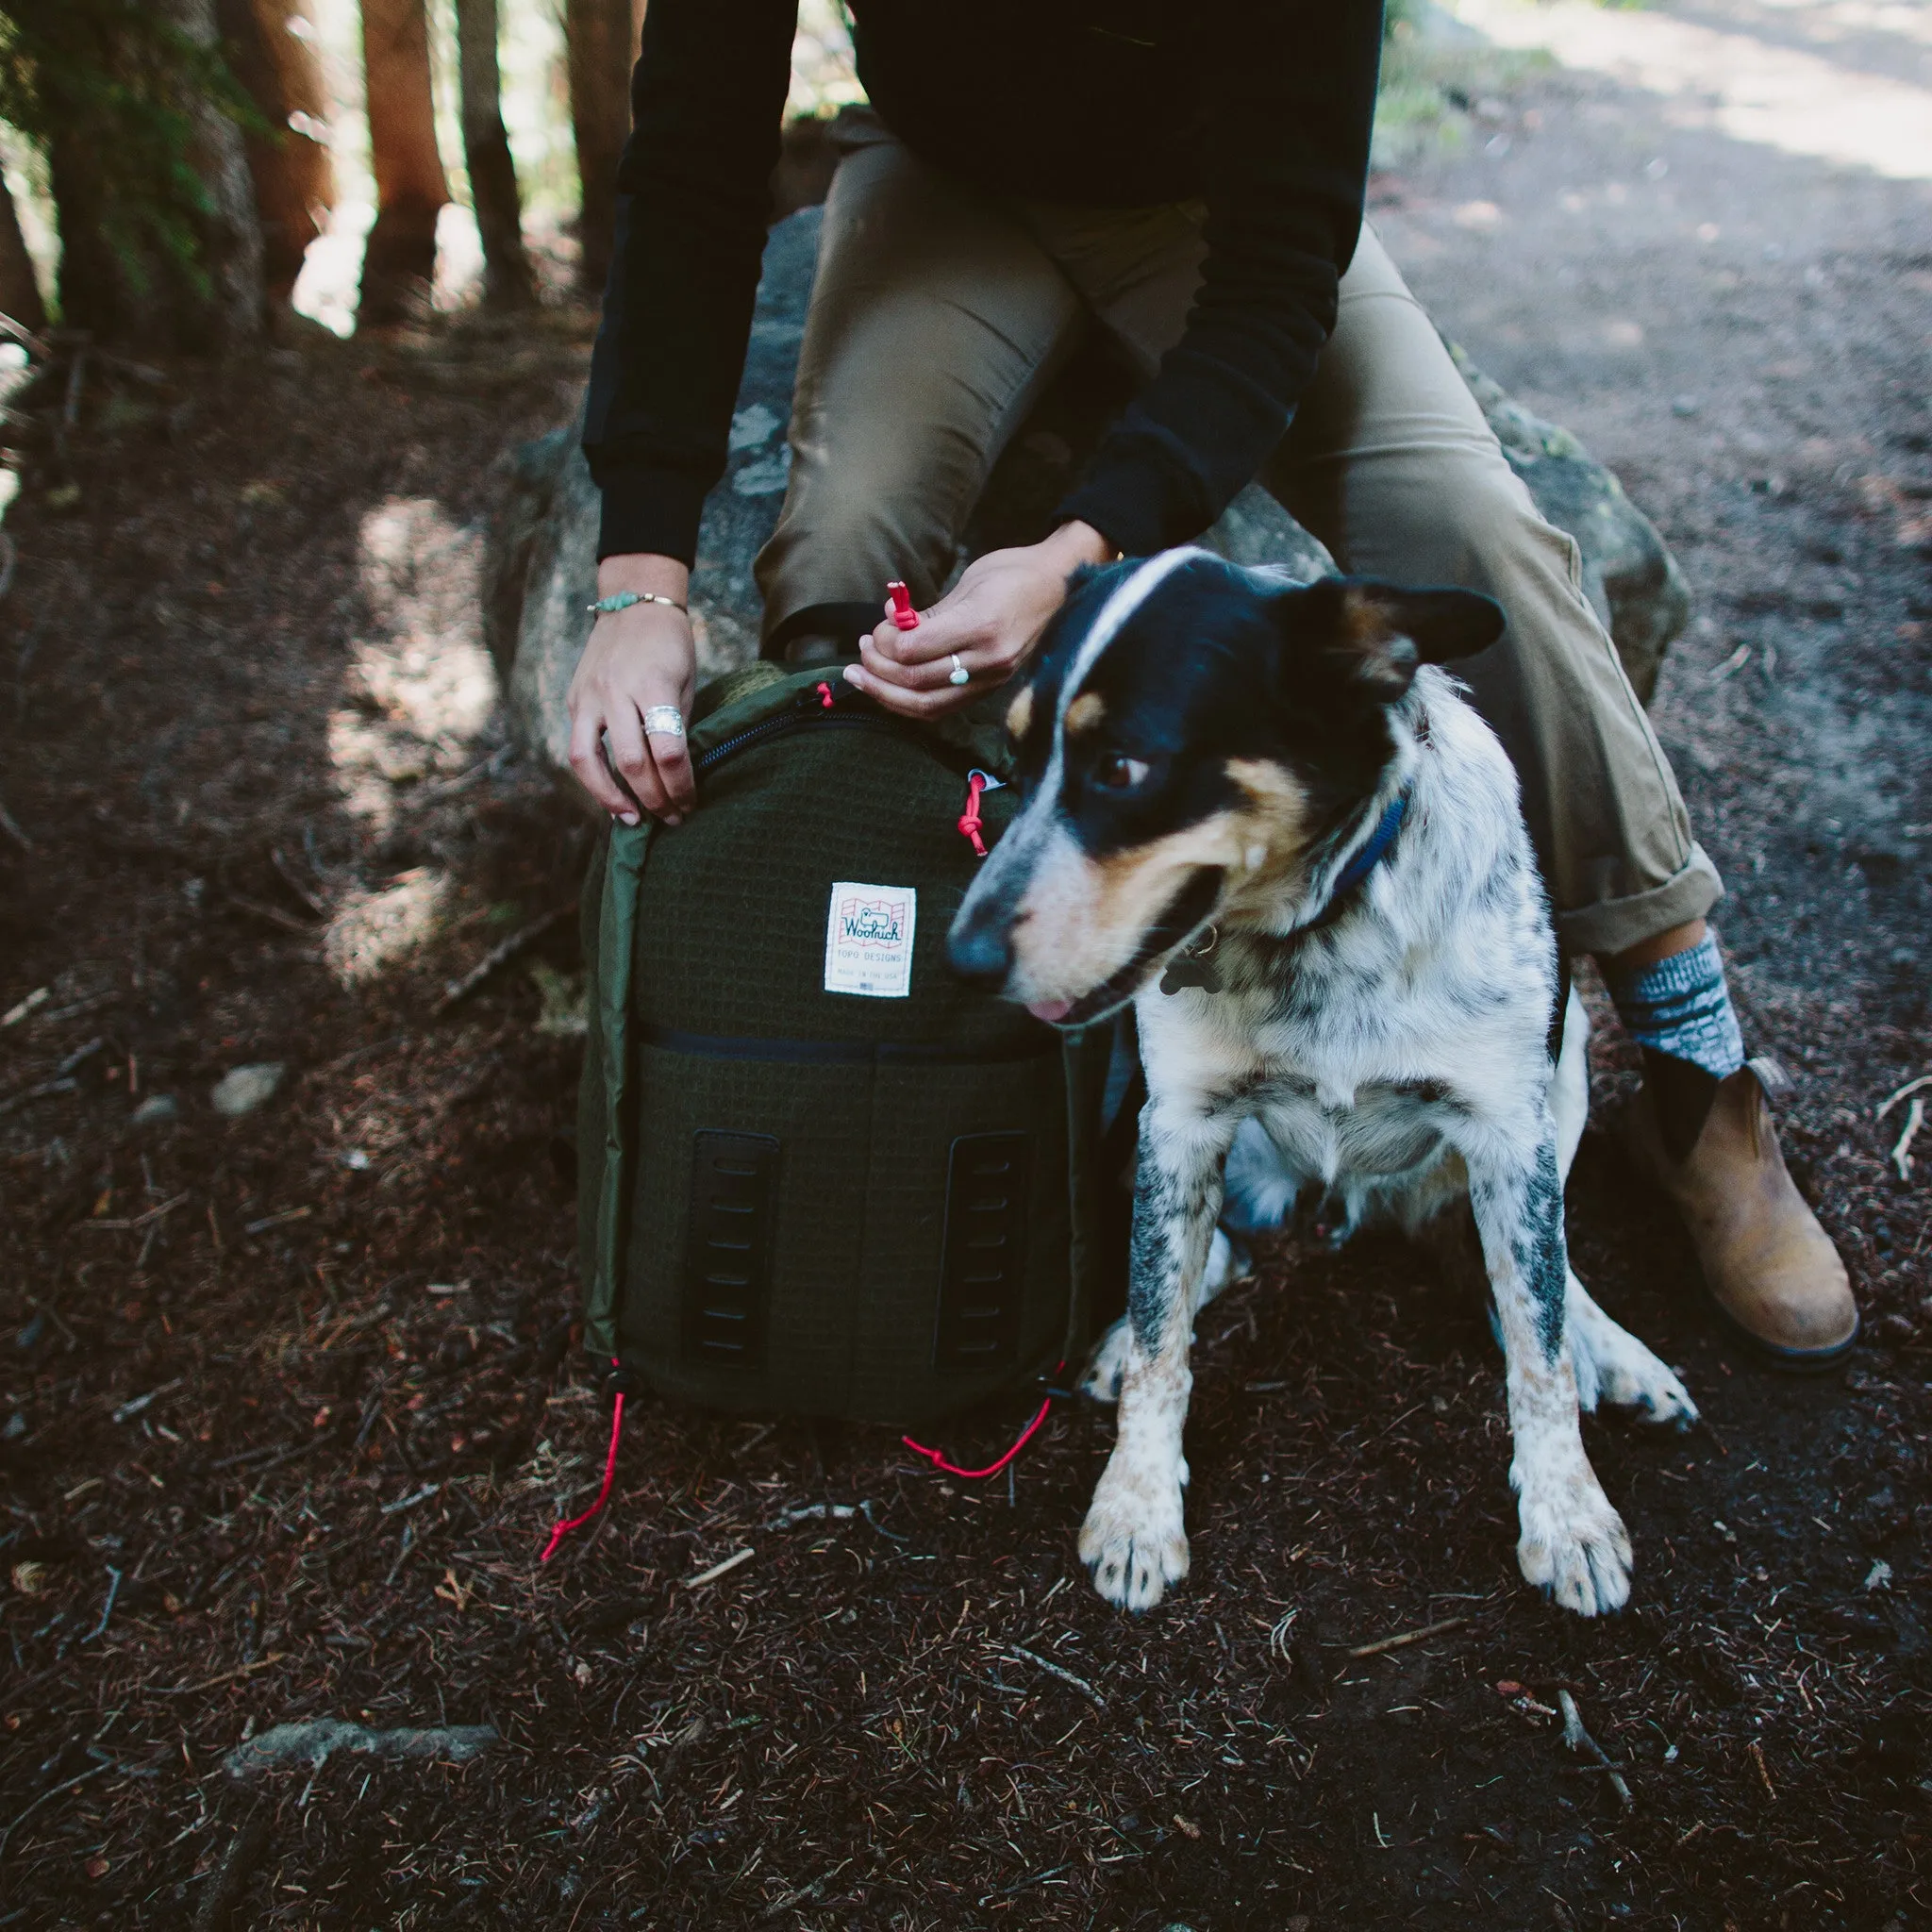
543,546
1628,572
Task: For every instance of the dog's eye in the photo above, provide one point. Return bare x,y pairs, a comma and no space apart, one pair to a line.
1116,772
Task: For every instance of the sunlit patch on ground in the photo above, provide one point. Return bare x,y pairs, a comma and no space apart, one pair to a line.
564,1015
373,931
424,687
1782,79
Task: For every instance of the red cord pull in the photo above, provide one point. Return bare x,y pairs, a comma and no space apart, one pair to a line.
937,1458
903,613
564,1529
826,698
969,819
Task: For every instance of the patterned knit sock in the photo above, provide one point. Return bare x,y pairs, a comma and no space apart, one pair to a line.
1682,1007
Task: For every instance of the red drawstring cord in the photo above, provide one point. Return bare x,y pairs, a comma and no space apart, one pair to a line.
564,1529
937,1456
969,819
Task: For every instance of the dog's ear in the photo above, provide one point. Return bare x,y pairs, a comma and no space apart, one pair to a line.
1378,633
1442,623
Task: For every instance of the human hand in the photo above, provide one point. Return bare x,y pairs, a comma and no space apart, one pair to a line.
635,658
990,619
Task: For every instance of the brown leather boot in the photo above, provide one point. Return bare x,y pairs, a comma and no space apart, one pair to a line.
1772,1272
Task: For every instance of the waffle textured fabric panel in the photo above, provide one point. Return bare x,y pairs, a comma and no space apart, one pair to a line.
768,1163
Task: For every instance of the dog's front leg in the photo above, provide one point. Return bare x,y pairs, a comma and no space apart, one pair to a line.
1574,1543
1133,1540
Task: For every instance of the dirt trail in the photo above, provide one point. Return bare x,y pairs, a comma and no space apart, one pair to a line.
291,1398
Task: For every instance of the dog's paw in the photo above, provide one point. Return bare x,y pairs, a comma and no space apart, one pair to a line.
1134,1541
1634,1378
1100,1381
1575,1545
1613,1366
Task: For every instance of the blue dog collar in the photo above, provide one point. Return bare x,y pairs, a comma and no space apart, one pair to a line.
1366,861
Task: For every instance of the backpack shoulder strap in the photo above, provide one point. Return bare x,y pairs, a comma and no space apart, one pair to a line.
610,909
1085,1056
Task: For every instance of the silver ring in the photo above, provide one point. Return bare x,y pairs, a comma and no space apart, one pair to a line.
960,674
663,721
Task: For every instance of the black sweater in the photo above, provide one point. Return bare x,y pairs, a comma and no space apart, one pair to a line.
1260,107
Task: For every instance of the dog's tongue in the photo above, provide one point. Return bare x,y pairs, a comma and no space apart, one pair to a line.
1050,1011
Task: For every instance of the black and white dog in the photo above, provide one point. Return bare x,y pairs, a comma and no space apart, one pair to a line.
1258,810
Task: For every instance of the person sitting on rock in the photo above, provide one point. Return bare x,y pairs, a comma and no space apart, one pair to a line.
1190,179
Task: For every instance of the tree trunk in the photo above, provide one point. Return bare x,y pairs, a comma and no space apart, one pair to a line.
270,45
20,288
230,311
399,262
603,50
507,280
140,293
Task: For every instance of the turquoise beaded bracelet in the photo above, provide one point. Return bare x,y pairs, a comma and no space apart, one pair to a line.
623,600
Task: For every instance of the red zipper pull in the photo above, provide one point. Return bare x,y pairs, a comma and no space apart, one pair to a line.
826,698
564,1529
939,1461
970,819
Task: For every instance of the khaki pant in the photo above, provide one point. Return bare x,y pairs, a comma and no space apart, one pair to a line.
939,314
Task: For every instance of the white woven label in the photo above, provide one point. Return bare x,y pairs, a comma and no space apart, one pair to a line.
869,940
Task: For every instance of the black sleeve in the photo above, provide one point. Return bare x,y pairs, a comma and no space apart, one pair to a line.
1291,101
707,100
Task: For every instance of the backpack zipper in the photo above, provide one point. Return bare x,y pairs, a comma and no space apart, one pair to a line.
819,704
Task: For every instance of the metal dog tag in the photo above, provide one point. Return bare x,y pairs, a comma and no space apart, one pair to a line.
1194,966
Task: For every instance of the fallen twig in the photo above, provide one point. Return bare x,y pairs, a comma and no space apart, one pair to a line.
313,1741
262,1663
1066,1676
409,1502
287,922
11,827
1579,1740
1407,1636
1021,1885
449,788
496,959
281,1220
1902,1153
804,1895
1905,1092
224,1885
33,345
869,1509
100,1630
287,873
14,1101
63,1080
806,1512
134,1406
39,997
275,1458
94,1771
1755,1751
127,1223
718,1570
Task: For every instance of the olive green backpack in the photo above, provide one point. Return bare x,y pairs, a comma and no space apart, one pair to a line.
818,1172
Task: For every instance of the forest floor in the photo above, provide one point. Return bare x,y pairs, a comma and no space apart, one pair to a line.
291,1398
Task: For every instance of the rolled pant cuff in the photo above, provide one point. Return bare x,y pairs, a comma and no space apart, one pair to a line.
843,623
1614,925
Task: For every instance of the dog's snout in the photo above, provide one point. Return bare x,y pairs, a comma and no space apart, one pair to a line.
980,948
